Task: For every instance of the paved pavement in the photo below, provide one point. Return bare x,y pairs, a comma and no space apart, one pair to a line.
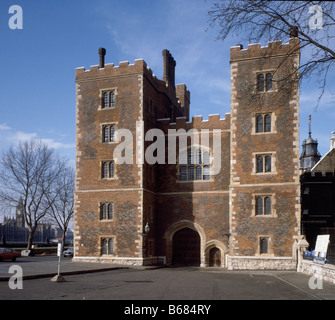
91,281
47,266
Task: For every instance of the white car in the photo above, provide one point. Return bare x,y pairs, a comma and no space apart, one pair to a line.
68,252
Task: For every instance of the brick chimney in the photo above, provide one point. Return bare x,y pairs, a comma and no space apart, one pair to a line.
102,53
293,32
169,65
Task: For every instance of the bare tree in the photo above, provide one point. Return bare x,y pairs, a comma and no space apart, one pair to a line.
61,200
28,172
311,21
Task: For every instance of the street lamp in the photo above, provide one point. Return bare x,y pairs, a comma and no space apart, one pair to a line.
146,229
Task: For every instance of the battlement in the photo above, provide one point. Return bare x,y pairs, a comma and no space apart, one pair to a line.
255,51
110,70
214,122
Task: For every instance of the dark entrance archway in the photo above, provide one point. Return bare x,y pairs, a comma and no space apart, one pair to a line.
186,248
215,257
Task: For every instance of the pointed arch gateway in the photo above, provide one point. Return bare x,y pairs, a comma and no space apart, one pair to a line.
185,243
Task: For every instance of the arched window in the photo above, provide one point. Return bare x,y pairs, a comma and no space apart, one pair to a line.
267,205
112,132
268,81
105,170
259,206
110,211
263,163
183,173
263,123
108,169
104,246
111,246
191,157
259,163
104,212
198,173
267,163
183,158
111,169
264,245
259,120
267,120
111,99
206,173
105,103
191,173
260,82
199,156
107,246
108,99
206,158
106,134
263,205
264,82
194,165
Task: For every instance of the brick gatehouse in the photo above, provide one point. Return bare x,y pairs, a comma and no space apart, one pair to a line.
245,216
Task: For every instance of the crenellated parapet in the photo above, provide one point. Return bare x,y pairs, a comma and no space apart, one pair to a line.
110,70
273,49
214,122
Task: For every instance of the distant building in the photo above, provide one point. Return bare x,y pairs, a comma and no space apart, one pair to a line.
13,229
310,155
318,198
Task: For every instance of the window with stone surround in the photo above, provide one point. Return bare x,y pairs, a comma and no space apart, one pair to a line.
108,99
264,245
108,132
263,205
107,246
264,82
107,169
263,123
107,211
263,163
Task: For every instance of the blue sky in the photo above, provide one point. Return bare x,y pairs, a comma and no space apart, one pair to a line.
37,88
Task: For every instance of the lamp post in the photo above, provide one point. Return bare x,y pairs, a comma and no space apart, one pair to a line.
146,229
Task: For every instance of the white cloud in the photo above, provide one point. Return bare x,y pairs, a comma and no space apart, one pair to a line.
21,136
3,126
57,145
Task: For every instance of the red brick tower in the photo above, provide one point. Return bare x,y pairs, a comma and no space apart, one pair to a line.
264,180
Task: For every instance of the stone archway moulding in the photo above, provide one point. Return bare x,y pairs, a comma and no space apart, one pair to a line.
169,233
215,244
